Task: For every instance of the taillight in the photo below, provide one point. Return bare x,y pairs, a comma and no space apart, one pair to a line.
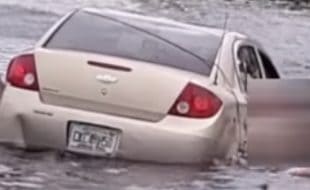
22,72
196,102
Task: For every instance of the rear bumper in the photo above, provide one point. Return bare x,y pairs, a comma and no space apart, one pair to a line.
27,122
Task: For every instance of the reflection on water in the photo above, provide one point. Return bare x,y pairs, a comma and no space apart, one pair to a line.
283,32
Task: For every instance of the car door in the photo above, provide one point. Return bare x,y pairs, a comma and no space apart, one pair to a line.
278,117
244,52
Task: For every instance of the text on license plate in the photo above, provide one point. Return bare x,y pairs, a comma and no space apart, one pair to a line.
92,139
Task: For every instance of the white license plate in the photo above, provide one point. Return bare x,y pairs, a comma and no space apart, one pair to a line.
93,140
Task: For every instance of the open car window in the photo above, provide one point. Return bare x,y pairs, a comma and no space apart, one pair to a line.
270,70
247,55
93,33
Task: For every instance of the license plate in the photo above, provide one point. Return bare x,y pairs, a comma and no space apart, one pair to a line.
93,140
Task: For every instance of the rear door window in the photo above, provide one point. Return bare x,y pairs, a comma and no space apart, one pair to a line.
246,54
270,71
101,34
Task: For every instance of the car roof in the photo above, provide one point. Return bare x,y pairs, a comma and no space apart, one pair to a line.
157,20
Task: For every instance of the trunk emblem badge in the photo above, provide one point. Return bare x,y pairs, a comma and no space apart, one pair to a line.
107,79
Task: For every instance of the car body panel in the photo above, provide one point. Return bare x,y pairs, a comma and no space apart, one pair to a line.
146,92
172,140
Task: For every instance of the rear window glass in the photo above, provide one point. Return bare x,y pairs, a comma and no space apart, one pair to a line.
104,34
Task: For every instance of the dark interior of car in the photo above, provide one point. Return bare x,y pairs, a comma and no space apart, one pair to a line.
270,70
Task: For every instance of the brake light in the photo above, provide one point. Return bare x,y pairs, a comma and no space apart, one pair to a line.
22,73
196,102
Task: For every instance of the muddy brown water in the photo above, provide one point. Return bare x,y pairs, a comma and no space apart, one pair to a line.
282,31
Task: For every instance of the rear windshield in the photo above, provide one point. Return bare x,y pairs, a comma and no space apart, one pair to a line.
104,34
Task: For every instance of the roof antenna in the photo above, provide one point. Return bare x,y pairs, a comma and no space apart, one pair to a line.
220,49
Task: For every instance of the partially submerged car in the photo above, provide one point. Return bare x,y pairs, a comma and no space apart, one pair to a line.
117,84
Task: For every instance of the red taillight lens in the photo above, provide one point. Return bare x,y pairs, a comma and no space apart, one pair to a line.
22,72
196,102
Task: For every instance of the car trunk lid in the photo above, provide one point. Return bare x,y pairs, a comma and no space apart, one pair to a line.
106,84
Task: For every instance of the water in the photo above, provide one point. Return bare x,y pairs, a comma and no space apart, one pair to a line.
283,32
